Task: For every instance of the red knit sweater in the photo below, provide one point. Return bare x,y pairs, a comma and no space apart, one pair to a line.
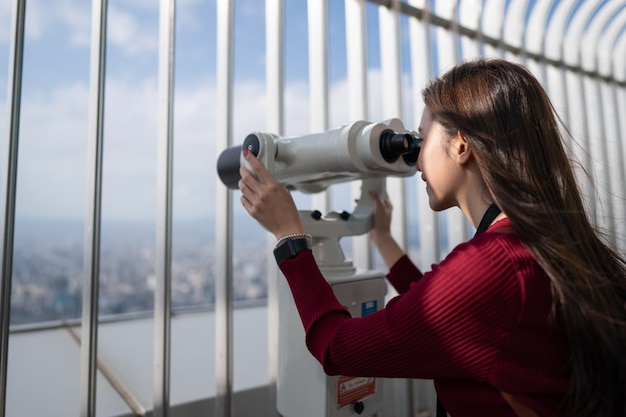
479,324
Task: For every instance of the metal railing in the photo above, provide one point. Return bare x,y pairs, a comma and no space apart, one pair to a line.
576,49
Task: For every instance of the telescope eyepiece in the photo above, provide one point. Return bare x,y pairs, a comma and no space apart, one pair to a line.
411,157
393,145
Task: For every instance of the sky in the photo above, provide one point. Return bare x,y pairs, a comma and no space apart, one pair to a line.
52,167
53,171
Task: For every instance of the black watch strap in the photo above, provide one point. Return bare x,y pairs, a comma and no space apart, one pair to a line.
289,248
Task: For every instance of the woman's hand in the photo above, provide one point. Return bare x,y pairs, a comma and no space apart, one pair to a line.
382,219
267,201
380,234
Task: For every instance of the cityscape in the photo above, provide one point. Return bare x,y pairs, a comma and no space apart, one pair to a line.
48,272
48,269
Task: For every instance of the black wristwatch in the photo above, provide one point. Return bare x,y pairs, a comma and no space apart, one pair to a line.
289,248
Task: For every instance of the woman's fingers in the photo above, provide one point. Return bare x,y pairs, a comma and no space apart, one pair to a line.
379,202
261,172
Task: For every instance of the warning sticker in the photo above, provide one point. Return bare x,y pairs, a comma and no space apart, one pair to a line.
352,389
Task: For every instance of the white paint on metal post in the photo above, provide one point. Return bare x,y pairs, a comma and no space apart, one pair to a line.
389,27
470,12
224,217
318,81
356,63
274,80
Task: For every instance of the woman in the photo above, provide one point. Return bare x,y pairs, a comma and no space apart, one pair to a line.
528,317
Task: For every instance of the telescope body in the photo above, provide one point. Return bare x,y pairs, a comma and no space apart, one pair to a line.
363,151
312,162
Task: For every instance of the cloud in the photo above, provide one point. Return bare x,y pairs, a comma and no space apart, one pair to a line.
132,26
74,15
45,17
51,167
131,34
54,141
54,171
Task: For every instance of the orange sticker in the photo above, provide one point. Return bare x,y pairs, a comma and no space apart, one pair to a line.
351,389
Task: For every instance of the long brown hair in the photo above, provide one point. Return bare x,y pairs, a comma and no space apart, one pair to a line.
513,129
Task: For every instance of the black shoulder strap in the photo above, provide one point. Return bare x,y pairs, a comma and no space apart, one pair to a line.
441,410
489,216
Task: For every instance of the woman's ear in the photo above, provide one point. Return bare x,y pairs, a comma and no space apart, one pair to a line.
462,148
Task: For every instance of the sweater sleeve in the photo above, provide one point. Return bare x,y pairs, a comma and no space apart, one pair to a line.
402,274
452,322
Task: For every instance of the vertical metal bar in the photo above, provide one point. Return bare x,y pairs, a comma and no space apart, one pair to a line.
162,293
607,188
619,95
553,49
356,63
578,123
224,220
275,68
389,27
619,98
274,51
608,39
389,23
619,59
514,25
513,29
593,113
536,41
493,16
423,392
273,275
318,63
391,69
591,44
582,104
607,58
448,55
469,15
615,165
555,87
9,185
318,80
553,35
89,330
421,71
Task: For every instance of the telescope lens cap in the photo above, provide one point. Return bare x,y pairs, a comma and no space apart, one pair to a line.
252,144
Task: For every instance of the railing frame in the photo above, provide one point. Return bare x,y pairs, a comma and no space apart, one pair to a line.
563,49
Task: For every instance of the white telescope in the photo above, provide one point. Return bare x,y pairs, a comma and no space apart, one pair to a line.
311,163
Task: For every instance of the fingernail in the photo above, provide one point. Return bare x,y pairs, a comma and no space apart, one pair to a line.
245,152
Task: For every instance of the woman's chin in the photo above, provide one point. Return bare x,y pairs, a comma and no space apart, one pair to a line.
438,205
